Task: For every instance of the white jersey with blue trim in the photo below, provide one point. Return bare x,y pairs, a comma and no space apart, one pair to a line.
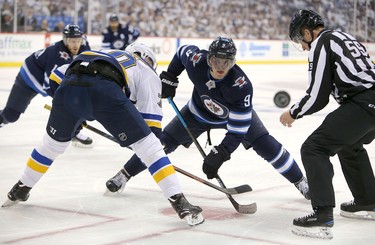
145,91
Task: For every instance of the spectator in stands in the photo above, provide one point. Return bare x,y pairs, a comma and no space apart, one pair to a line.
6,21
44,26
118,36
59,26
96,26
28,22
213,17
53,8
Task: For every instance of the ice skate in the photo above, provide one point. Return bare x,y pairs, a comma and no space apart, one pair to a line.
117,183
192,214
18,193
356,211
82,141
303,187
315,225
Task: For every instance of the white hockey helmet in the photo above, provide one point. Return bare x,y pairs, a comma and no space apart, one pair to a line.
144,52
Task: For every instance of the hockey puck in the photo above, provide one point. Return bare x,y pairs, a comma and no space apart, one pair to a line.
281,99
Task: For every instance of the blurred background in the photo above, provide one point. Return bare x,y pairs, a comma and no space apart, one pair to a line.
244,19
71,196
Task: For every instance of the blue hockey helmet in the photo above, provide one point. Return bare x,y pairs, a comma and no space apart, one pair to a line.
303,19
113,17
222,47
72,31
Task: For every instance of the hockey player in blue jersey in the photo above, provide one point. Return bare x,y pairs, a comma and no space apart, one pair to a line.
33,77
96,87
221,98
117,35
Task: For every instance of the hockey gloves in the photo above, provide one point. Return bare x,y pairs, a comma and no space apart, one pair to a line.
211,164
169,83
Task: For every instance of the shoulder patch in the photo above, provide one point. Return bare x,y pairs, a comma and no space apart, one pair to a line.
64,55
240,82
195,58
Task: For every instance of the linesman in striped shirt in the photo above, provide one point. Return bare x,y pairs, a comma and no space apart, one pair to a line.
341,66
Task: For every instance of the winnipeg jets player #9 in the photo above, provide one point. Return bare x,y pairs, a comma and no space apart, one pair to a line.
227,101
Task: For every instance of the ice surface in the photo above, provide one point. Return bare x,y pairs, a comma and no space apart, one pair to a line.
67,206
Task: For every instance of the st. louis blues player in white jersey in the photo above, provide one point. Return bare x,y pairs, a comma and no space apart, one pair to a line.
33,77
96,87
145,93
221,98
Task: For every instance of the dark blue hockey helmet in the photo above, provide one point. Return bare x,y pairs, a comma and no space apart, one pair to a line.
303,19
72,31
113,17
222,47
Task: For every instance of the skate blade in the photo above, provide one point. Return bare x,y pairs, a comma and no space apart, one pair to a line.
313,232
367,215
80,145
9,203
194,219
110,193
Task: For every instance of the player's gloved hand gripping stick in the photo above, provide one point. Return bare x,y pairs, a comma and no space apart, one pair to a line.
244,209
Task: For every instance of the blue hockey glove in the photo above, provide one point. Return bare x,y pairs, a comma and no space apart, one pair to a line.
169,83
211,164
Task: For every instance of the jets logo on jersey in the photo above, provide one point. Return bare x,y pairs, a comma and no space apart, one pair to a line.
119,43
195,58
64,55
215,107
239,82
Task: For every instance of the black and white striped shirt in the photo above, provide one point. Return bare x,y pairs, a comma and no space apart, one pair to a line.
338,65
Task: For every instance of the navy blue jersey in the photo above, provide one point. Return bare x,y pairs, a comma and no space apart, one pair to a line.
227,101
37,67
119,39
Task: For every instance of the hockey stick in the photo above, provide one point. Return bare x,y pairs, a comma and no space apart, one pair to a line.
244,209
231,191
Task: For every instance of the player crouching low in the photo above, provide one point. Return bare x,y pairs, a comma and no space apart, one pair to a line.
96,86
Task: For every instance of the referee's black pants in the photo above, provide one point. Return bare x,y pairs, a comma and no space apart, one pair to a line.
343,132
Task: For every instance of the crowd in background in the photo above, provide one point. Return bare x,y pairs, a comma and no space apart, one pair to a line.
255,19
